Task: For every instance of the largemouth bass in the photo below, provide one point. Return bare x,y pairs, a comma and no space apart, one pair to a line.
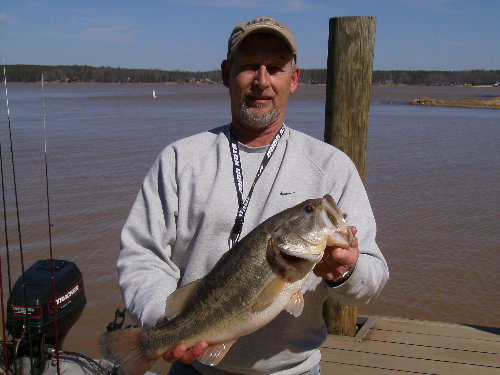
249,286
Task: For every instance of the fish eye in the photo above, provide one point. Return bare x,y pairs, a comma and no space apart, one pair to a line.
308,209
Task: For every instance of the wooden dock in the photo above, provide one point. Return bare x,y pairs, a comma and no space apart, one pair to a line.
386,346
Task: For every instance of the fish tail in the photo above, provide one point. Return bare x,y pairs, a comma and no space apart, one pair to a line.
124,348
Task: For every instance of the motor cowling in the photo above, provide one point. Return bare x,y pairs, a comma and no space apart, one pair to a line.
34,308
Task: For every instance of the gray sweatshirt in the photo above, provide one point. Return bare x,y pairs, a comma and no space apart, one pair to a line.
180,223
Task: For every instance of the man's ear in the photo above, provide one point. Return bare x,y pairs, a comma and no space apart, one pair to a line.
295,80
225,67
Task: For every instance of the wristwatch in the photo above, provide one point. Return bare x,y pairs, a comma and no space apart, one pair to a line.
339,280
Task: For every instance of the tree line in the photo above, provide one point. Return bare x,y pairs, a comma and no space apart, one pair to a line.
86,73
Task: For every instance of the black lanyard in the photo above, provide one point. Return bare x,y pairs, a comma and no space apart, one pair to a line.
238,179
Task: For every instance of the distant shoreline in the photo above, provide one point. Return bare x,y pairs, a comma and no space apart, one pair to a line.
55,82
103,74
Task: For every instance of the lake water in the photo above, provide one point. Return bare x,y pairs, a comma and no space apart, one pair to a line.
432,176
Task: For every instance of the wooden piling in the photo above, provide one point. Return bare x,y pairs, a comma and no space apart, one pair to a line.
349,75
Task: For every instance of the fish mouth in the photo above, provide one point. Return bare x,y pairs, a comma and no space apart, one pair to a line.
336,231
292,258
331,229
302,257
334,219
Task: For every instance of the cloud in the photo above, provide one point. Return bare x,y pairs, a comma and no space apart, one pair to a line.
101,30
449,42
108,32
426,2
442,5
285,6
7,19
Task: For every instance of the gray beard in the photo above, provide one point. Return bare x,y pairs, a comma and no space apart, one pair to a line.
257,121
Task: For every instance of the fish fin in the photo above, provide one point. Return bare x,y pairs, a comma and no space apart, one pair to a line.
124,349
295,305
215,353
177,301
269,294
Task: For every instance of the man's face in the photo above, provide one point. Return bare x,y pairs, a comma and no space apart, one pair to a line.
260,79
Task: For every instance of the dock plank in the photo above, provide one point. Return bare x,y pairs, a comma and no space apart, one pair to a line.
431,340
434,353
437,328
394,363
406,346
338,368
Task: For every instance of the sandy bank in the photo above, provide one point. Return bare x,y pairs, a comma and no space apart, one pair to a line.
489,103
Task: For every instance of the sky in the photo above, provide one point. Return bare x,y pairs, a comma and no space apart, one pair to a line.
192,34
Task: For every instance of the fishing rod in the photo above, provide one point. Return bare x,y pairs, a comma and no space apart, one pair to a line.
5,221
26,333
4,331
49,222
46,300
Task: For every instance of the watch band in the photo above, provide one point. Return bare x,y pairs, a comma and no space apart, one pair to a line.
339,280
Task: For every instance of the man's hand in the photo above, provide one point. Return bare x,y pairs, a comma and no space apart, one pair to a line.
181,352
184,354
337,261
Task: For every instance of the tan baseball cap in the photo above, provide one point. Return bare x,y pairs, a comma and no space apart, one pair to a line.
266,25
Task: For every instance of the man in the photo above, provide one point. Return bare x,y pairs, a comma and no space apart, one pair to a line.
183,218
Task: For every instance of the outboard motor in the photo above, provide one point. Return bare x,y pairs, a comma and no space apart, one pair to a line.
37,315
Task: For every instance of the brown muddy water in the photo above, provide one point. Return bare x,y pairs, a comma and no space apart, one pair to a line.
432,176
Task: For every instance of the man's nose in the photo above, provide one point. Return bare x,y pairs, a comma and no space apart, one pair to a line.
262,77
